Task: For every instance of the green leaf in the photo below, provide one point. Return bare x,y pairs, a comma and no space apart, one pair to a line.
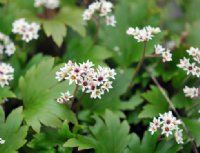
157,103
110,134
194,126
39,89
149,144
55,29
12,131
81,142
6,93
72,17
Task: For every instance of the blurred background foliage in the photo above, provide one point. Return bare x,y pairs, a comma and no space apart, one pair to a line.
32,122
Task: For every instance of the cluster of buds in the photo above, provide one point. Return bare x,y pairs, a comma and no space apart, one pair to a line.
49,4
165,53
93,81
143,35
6,45
168,125
192,68
102,9
2,141
6,74
28,31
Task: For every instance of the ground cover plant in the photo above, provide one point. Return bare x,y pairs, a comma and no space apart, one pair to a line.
84,76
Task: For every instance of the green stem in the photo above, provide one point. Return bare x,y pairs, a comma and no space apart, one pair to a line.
138,67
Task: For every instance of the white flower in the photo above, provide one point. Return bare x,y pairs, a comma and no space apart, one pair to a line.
102,9
168,124
178,136
110,21
167,56
6,74
105,8
91,80
2,141
65,97
191,92
50,4
28,31
143,35
6,45
159,49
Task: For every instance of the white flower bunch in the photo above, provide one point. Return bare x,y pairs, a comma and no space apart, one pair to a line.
93,81
192,68
2,141
6,45
143,35
28,31
64,98
191,92
50,4
168,125
165,53
103,9
6,74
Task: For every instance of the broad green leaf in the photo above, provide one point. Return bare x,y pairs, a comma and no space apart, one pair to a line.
110,134
149,144
72,17
12,131
6,93
156,103
39,89
55,29
50,138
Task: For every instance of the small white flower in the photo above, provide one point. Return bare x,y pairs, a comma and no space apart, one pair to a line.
91,80
50,4
28,31
191,92
6,74
65,97
167,56
102,9
159,49
2,141
6,45
178,136
143,35
110,21
168,124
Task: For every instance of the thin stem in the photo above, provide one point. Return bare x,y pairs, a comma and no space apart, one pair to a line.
74,95
152,56
174,110
97,22
138,66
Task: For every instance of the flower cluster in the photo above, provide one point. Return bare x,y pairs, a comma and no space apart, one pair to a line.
192,68
6,74
50,4
168,124
6,45
165,53
2,141
103,8
28,31
143,35
93,81
191,92
64,98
